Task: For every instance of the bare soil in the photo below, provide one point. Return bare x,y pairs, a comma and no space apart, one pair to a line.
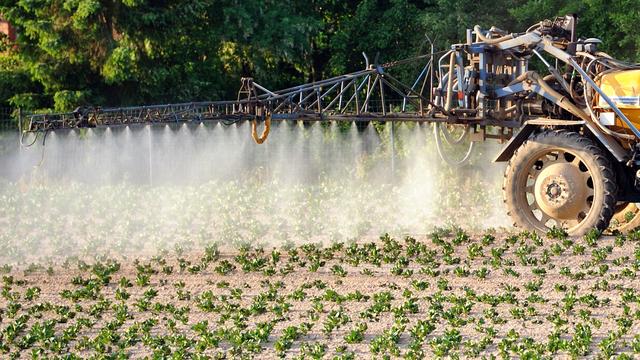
537,298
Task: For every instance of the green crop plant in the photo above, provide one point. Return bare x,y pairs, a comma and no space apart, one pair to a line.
448,294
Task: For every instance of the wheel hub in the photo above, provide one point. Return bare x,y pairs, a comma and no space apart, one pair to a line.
554,190
561,191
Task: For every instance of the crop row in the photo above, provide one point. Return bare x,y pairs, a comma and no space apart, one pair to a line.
449,294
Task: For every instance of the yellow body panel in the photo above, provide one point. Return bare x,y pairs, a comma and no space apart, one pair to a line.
623,87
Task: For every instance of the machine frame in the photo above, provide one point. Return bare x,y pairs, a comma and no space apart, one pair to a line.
485,88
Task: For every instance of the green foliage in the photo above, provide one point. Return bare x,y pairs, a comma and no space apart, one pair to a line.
93,309
77,52
67,99
610,21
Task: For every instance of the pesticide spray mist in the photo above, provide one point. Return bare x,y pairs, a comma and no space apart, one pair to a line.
136,190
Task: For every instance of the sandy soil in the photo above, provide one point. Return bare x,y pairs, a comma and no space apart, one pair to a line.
528,294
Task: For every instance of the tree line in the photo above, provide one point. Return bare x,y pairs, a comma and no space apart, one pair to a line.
70,53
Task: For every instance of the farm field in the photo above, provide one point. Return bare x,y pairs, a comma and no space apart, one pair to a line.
337,267
444,294
319,179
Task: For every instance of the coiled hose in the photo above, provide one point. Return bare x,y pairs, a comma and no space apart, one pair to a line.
265,132
440,132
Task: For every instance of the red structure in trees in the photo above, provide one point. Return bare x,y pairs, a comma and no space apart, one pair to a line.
7,29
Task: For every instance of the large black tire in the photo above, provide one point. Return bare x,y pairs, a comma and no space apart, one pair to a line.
560,178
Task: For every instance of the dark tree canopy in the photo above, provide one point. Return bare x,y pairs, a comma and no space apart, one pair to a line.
108,52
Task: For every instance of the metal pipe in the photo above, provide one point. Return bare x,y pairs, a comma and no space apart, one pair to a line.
415,83
460,76
452,63
489,41
384,110
562,100
396,89
366,100
355,94
431,74
554,72
320,97
356,89
365,106
604,96
339,96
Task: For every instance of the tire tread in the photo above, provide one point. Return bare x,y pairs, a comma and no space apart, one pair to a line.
599,156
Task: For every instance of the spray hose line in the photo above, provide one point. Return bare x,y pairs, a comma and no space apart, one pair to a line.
265,132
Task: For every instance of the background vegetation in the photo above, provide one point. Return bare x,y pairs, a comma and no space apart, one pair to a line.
109,52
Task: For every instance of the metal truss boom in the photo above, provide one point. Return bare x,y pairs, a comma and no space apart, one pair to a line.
365,95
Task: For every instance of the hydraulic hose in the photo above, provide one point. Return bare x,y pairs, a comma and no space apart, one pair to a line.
437,131
265,132
489,41
616,110
563,101
589,100
448,138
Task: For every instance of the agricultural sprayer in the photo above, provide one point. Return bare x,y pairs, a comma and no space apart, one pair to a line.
570,130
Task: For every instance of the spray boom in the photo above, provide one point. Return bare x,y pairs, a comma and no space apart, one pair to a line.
571,123
482,86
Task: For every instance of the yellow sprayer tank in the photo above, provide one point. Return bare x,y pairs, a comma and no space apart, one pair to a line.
623,87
